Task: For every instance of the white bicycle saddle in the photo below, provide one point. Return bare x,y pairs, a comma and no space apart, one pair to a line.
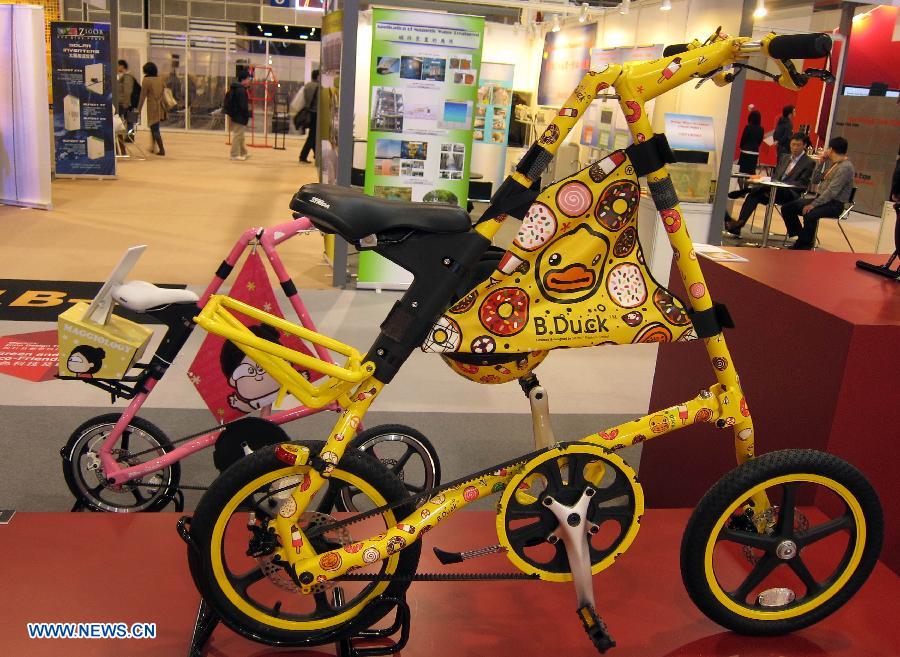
141,296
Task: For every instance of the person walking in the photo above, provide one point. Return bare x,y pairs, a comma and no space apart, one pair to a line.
751,138
152,91
784,130
237,107
833,192
309,110
128,94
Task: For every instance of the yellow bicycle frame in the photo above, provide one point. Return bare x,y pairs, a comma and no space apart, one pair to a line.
723,404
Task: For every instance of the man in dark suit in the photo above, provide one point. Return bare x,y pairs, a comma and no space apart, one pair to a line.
794,168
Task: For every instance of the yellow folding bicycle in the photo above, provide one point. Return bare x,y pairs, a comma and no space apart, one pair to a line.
271,559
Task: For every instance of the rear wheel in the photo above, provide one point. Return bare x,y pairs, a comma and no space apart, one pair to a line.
780,570
257,597
87,481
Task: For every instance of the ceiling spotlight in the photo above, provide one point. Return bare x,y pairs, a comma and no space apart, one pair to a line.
312,30
582,17
556,25
625,7
760,10
259,27
666,5
285,28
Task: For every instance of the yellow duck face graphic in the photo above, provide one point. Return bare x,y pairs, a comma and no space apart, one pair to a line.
571,268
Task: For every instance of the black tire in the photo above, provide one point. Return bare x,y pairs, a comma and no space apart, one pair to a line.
418,467
786,616
88,490
264,465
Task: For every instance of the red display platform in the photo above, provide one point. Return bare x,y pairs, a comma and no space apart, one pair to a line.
77,567
816,344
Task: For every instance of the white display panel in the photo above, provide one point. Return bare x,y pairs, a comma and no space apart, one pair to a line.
24,123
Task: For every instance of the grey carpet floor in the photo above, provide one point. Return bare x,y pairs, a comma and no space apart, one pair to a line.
30,439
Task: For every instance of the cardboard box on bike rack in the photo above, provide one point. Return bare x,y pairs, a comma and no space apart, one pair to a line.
88,350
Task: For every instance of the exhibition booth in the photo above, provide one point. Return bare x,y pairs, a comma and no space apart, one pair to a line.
267,407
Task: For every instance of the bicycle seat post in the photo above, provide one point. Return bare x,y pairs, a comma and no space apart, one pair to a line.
540,411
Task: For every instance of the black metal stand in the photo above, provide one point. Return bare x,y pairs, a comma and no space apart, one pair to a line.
882,270
207,621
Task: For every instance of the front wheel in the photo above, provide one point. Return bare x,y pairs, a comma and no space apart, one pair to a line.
782,569
407,453
254,595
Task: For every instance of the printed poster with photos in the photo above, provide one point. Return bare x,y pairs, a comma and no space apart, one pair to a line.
603,126
492,114
424,86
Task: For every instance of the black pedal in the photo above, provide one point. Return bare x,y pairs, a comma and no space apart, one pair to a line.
596,629
448,557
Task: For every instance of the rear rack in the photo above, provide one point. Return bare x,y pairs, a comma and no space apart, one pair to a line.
278,360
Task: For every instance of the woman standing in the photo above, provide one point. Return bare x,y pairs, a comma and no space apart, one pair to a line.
152,93
751,138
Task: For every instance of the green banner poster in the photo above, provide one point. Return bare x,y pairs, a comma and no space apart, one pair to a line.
424,84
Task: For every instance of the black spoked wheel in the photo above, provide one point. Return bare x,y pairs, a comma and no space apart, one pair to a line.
777,570
85,478
257,597
407,453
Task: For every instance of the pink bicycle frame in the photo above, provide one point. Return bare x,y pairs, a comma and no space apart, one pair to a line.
268,239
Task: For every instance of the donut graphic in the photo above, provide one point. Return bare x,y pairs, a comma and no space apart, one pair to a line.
697,290
288,508
484,344
353,548
504,312
719,363
509,263
465,304
634,112
330,561
633,318
703,415
395,544
470,493
653,332
670,307
671,219
638,439
371,555
425,513
626,285
617,205
625,242
444,336
574,199
537,228
550,136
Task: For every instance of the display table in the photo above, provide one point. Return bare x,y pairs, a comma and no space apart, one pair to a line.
103,567
817,348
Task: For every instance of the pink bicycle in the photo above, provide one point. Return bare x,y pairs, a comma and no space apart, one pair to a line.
123,463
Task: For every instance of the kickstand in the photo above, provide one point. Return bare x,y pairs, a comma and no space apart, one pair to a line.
346,648
206,622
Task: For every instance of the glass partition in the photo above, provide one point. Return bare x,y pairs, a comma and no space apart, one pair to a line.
169,53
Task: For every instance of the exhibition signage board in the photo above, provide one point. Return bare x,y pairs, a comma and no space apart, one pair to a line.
565,61
424,85
688,132
82,99
494,103
330,106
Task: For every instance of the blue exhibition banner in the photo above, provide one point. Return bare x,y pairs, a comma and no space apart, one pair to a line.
82,99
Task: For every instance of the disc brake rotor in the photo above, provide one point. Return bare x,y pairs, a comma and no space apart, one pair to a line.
308,520
529,530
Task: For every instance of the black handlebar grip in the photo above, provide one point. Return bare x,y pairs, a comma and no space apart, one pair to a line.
800,46
675,49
